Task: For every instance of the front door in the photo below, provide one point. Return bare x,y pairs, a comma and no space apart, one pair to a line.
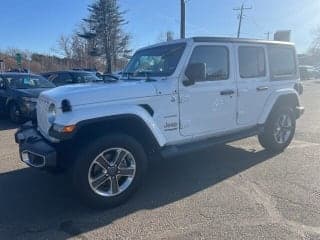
253,82
209,106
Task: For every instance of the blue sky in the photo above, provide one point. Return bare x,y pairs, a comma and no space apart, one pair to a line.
37,24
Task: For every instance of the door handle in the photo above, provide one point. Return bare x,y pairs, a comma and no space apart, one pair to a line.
226,92
262,88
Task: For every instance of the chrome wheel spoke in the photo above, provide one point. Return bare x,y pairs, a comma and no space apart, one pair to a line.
283,129
126,172
98,181
102,162
120,156
114,185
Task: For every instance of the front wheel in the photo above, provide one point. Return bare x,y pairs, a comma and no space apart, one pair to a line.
279,130
14,113
109,170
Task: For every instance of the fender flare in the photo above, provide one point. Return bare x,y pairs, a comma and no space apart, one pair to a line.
90,114
273,100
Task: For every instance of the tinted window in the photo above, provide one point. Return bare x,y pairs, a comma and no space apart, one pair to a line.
216,59
282,62
61,79
27,81
85,77
252,63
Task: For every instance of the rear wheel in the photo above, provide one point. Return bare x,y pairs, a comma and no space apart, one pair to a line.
279,130
109,170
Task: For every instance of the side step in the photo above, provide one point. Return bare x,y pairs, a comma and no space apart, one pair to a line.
176,150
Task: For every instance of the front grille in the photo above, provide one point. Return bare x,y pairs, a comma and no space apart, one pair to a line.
42,110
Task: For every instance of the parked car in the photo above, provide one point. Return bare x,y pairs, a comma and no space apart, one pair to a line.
177,97
110,77
19,93
308,72
92,70
61,78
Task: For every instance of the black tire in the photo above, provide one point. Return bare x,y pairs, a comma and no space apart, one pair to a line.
87,156
268,139
13,115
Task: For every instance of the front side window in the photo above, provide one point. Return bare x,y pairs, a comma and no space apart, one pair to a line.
282,62
216,59
252,62
156,62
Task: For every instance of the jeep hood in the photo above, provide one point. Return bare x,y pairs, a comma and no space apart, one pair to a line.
80,94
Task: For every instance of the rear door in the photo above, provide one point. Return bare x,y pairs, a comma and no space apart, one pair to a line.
253,82
209,106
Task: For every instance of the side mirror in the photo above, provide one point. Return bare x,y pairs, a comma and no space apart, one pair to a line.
196,72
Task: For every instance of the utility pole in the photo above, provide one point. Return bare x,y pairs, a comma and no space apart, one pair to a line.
183,19
241,16
268,35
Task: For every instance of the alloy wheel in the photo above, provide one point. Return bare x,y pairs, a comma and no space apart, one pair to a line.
112,172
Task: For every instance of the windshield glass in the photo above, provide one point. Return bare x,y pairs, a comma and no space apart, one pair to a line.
28,81
156,62
85,77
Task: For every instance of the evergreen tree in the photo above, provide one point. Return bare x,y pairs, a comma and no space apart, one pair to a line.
104,26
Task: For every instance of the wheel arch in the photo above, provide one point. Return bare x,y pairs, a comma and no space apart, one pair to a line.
282,98
129,124
8,103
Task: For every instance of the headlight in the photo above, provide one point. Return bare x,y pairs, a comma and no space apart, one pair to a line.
30,99
52,113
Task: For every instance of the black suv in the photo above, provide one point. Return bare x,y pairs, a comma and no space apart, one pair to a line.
70,77
19,93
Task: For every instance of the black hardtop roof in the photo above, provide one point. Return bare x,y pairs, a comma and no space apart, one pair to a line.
18,73
67,71
240,40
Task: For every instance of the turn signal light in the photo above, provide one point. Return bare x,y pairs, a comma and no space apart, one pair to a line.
69,129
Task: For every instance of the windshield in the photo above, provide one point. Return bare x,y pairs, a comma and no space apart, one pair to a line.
28,81
156,62
85,77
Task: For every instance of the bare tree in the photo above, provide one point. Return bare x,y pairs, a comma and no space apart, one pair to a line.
315,46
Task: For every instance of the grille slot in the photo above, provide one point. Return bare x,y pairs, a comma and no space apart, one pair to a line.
42,109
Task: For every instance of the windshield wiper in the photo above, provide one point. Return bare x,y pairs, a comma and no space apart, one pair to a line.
147,76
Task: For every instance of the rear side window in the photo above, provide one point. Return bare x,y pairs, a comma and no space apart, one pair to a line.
62,79
252,62
216,59
282,62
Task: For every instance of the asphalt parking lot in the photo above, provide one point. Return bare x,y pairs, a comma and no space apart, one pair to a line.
236,191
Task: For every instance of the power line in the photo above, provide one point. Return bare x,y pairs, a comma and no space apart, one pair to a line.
241,9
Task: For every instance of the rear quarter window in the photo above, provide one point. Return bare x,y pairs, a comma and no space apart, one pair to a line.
282,61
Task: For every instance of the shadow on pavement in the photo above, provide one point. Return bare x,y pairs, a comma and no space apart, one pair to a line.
33,201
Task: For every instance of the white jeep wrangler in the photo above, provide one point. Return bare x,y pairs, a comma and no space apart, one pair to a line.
173,98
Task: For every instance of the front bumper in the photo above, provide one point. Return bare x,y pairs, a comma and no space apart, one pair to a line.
34,150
